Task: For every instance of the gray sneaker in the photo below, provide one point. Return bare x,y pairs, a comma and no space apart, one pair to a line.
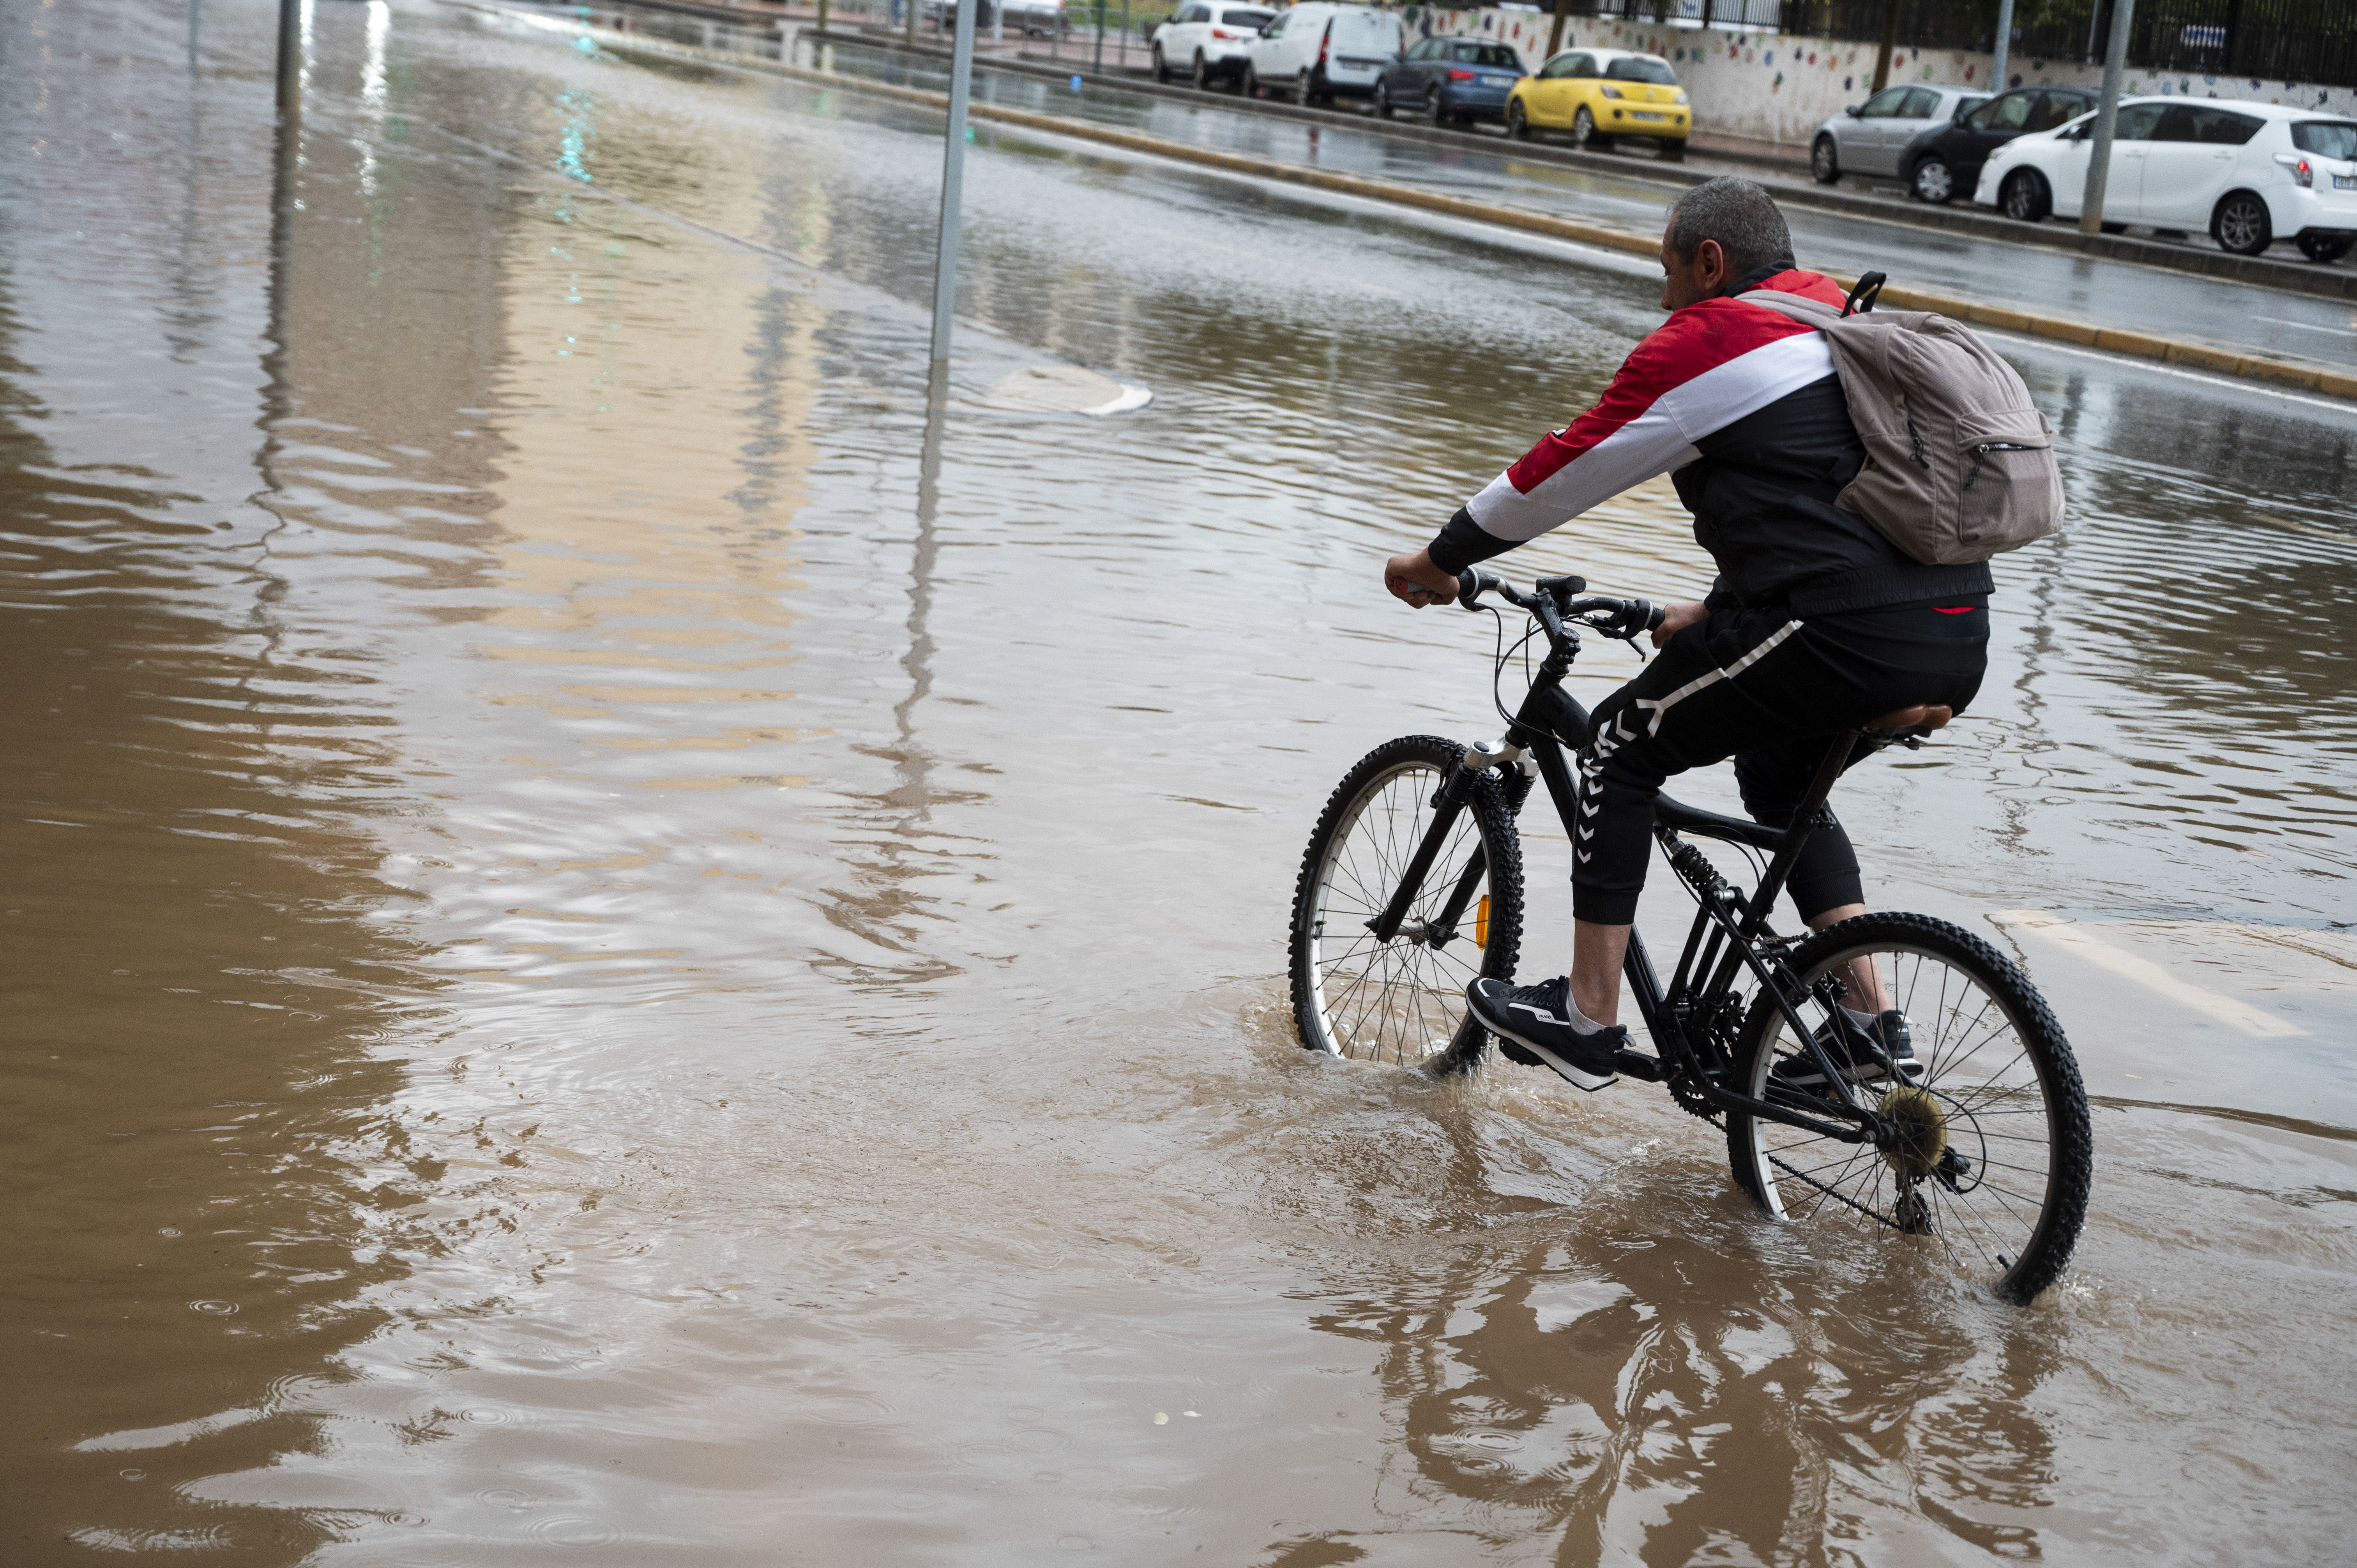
1891,1031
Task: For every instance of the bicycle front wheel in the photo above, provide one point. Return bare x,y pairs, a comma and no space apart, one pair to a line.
1402,1001
1990,1153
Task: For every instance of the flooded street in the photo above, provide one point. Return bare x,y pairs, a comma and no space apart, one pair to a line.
625,949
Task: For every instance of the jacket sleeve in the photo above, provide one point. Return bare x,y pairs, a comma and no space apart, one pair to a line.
1708,366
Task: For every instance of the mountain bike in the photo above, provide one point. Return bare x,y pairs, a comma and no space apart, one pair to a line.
1412,887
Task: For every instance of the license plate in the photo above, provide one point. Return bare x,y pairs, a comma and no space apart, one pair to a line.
2344,182
1497,81
1641,115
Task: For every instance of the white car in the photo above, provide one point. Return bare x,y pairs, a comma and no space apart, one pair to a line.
1208,42
1316,52
2250,174
1866,138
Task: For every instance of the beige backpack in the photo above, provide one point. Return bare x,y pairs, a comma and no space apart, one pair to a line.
1959,464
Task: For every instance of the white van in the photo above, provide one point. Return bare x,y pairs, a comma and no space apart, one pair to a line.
1316,52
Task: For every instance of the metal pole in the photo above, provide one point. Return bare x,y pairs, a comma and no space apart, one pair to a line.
1099,66
1125,37
821,14
2004,45
1890,37
1554,34
2099,161
290,56
952,183
998,21
910,37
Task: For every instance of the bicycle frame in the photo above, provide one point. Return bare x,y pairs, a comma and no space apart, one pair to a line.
1731,935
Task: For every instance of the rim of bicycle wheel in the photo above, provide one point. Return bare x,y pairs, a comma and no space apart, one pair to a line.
1994,1107
1410,1017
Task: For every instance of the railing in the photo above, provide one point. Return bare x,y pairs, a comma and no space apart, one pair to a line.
2285,40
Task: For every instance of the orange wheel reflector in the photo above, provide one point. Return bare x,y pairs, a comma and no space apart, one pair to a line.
1481,922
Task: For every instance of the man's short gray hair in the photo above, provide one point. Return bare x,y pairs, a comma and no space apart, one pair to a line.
1738,213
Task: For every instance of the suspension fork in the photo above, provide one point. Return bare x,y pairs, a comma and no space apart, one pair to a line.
1448,802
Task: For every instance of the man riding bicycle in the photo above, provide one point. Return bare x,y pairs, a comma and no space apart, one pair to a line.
1816,623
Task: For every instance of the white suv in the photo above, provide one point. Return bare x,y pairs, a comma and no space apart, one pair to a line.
1208,42
1316,52
2249,173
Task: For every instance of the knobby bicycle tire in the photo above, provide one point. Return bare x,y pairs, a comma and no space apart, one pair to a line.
1417,1001
1981,1061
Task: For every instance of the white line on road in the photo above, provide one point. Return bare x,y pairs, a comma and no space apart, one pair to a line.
2085,944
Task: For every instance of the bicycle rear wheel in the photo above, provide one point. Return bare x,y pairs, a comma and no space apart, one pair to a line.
1996,1155
1403,1000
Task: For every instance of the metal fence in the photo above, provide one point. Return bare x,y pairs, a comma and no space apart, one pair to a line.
2285,40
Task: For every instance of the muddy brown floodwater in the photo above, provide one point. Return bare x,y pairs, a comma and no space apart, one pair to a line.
622,950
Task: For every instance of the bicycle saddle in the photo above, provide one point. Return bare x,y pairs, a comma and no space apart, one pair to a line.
1922,715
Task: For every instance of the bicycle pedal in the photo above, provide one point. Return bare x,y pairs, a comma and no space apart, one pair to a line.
1639,1066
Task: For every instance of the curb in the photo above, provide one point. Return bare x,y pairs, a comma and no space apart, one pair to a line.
2133,345
2289,277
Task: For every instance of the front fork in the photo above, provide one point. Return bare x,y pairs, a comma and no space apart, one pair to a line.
1447,804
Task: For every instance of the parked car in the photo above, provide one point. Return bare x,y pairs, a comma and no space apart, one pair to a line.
2249,173
1208,42
1449,79
1599,95
1945,162
1317,51
1866,138
1032,18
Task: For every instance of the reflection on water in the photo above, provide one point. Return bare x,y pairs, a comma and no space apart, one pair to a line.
636,938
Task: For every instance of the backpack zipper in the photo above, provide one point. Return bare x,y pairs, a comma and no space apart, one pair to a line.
1981,452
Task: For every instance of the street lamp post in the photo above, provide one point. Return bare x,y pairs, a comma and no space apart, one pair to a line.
2004,45
953,183
290,56
2107,114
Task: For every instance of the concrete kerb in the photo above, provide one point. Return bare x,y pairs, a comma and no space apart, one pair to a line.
2291,277
2134,345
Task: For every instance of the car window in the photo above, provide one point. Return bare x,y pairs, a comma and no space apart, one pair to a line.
1251,21
1562,65
1923,103
1885,104
1640,68
2325,138
2053,109
2010,112
2135,124
1195,14
2223,127
1486,53
1966,104
1424,49
1276,29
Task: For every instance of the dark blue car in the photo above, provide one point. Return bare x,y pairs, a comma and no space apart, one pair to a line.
1449,80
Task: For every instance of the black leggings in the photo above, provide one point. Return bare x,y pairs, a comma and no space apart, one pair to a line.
1770,691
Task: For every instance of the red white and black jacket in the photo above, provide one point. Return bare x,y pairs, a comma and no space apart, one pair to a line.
1739,404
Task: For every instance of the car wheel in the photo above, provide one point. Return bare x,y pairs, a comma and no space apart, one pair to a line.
1584,132
2241,224
1303,87
1674,152
1161,70
1201,75
1934,182
1383,102
1824,161
2316,248
1518,120
2025,197
1250,88
1436,112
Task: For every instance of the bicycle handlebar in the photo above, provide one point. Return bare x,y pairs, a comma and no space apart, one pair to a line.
1551,600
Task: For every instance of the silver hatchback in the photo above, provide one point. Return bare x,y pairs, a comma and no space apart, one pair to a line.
1866,138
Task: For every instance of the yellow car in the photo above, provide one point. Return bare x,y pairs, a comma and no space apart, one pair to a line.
1601,94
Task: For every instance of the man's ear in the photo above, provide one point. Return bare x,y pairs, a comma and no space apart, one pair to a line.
1710,261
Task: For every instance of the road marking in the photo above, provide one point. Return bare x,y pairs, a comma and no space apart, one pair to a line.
2307,326
2085,944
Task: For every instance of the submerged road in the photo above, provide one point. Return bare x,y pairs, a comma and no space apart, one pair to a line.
2100,292
629,946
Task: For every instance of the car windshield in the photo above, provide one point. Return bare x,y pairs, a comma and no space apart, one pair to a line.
1639,67
2010,112
2325,138
1488,54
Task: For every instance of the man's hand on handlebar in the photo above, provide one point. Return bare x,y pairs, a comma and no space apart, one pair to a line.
1674,619
1414,580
